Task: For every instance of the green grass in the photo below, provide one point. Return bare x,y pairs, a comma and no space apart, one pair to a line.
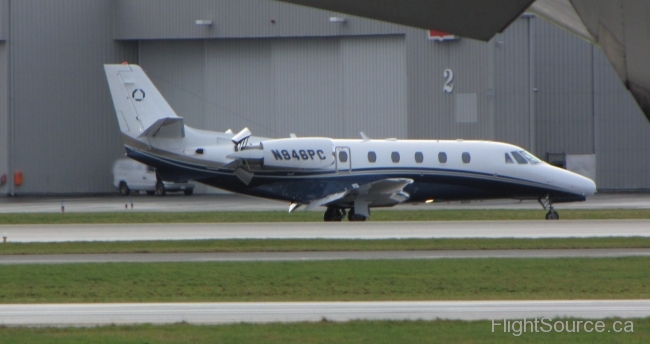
128,216
376,332
305,245
446,279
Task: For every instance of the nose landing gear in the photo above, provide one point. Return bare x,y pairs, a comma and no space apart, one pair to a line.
547,203
552,215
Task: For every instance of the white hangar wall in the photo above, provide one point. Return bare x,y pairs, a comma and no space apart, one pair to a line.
279,68
5,123
621,134
61,131
334,86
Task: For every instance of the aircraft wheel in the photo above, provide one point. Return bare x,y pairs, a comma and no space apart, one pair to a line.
339,214
188,192
124,189
334,214
160,189
552,215
330,213
355,217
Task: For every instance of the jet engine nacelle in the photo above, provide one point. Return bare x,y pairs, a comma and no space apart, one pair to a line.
299,153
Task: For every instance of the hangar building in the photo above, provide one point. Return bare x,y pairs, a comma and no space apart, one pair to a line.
280,68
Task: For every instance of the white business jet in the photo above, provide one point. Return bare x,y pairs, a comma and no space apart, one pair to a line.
346,176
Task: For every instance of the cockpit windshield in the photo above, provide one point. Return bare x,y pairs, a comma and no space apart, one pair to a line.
522,157
533,159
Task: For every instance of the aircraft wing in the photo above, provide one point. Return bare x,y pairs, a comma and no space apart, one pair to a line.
385,192
619,27
478,19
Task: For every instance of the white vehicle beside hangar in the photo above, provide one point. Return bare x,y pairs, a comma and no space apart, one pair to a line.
133,176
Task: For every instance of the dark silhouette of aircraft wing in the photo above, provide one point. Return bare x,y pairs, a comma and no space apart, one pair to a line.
620,27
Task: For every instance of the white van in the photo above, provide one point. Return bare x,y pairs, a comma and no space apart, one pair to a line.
130,175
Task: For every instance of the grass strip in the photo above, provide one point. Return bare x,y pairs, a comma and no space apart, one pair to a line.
447,279
281,216
379,332
314,245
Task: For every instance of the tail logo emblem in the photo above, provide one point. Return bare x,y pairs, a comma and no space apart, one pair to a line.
138,95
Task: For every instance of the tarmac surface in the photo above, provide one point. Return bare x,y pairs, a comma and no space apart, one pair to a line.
234,202
328,230
217,313
262,312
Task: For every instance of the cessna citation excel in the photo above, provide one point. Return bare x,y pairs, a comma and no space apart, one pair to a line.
346,176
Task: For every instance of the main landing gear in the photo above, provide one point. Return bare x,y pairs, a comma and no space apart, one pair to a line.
355,217
547,203
336,214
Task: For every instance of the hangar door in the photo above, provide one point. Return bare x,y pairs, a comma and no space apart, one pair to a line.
333,86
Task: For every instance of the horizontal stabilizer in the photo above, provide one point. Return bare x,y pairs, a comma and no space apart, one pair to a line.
169,127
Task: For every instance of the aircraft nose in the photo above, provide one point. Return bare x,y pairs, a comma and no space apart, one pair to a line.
584,185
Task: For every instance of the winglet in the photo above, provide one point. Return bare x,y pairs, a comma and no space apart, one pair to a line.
293,206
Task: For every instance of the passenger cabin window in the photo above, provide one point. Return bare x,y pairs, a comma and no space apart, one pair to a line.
343,156
466,158
442,157
509,159
520,159
394,156
419,157
372,157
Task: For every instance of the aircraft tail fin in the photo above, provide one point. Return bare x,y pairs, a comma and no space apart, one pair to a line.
139,106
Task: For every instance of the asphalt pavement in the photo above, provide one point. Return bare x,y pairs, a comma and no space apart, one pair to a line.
262,312
234,202
328,230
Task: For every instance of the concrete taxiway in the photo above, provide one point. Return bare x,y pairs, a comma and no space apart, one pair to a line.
215,313
233,202
315,256
260,312
343,230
